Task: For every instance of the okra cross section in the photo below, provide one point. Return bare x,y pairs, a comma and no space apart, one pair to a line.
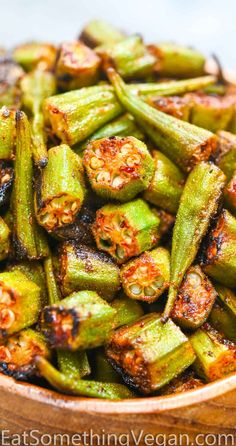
60,189
148,353
219,256
35,54
147,277
194,300
17,353
126,230
84,268
20,302
216,356
80,321
118,168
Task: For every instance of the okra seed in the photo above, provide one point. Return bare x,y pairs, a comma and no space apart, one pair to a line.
158,282
103,177
194,280
120,253
5,298
7,318
126,148
130,161
5,178
96,163
135,289
149,291
117,182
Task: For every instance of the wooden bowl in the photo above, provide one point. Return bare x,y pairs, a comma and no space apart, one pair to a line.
207,410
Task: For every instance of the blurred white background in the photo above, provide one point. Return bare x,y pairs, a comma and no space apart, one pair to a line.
206,24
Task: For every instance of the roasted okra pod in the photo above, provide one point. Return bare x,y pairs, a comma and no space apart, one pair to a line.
167,184
126,230
60,189
223,314
84,268
118,168
147,277
10,75
77,66
226,153
216,356
33,271
149,354
17,354
7,133
219,259
34,55
20,302
99,32
176,106
195,299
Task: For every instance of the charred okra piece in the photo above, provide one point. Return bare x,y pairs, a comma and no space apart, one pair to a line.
36,86
118,168
147,277
34,272
96,389
4,239
122,126
74,365
223,314
183,383
198,205
210,112
126,230
219,257
10,75
216,356
176,106
18,352
130,58
6,182
99,32
80,321
148,353
227,153
230,194
7,133
177,61
194,300
185,144
29,239
81,229
60,190
34,55
20,302
127,311
76,115
77,66
83,268
167,184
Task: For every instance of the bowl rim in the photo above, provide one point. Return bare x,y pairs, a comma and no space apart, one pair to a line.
153,404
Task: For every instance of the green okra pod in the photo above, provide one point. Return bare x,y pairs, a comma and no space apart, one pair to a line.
195,299
60,190
147,277
17,354
127,311
36,86
7,133
149,354
77,114
175,60
126,230
77,66
80,321
176,106
122,126
167,184
216,357
34,272
223,314
20,302
104,372
10,75
84,268
118,168
198,205
185,144
35,54
74,365
226,153
54,295
99,32
218,258
129,57
95,389
210,111
6,182
4,239
28,238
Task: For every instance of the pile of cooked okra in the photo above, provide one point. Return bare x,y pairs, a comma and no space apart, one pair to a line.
118,216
